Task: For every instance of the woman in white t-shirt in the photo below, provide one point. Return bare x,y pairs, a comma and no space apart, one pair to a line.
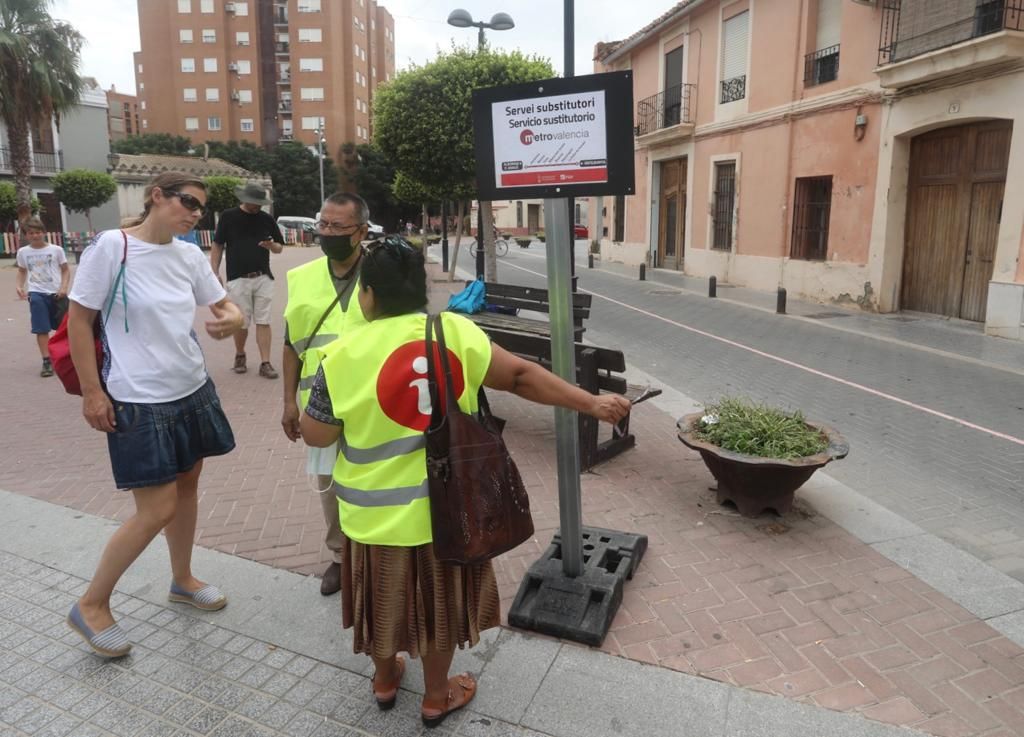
152,395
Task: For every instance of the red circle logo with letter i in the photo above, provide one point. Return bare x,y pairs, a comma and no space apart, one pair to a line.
526,137
403,390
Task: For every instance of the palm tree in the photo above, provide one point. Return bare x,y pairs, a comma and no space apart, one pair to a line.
39,80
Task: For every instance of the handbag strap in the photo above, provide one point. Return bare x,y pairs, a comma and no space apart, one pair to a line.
119,280
451,400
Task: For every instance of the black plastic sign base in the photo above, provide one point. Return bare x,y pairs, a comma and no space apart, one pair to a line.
579,609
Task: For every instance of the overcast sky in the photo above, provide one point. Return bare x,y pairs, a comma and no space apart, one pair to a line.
111,29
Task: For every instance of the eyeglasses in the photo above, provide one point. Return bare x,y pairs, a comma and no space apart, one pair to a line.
187,201
336,227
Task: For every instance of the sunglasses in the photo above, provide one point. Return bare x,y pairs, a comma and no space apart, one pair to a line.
187,201
391,243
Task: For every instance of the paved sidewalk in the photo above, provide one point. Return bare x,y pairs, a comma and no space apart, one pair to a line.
799,606
261,668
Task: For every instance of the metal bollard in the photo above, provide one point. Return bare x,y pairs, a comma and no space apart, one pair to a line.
780,301
590,260
643,272
713,287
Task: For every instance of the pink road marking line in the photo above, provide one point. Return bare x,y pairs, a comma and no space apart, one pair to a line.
800,366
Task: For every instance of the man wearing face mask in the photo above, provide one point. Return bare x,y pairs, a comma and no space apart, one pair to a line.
322,305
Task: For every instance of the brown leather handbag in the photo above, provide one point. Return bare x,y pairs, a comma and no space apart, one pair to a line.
478,504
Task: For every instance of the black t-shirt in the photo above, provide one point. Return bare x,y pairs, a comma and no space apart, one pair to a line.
240,233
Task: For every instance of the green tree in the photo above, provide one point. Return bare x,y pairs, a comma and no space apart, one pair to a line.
9,205
80,190
153,143
433,143
295,173
242,153
39,80
366,171
220,194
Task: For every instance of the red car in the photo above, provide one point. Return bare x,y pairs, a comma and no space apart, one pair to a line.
581,231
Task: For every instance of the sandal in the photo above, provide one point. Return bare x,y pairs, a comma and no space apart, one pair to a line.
388,692
464,685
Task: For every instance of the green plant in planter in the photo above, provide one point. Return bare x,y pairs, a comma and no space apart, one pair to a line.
540,236
740,426
524,241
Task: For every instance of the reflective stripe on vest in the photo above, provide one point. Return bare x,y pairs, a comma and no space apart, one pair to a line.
318,341
383,452
382,497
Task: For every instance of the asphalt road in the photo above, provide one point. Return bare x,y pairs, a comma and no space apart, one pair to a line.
936,434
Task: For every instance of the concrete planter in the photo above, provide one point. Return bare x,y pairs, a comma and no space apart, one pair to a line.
524,242
755,484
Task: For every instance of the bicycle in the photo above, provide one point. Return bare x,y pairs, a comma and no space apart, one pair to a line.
500,247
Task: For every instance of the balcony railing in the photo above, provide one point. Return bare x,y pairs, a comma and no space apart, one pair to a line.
285,106
733,89
664,109
282,47
914,27
821,66
43,162
280,16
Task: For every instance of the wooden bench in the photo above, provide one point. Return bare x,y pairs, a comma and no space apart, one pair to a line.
532,299
597,370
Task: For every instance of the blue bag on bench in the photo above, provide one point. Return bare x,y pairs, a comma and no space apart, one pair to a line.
470,300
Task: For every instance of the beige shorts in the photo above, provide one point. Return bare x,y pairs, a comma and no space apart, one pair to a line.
253,297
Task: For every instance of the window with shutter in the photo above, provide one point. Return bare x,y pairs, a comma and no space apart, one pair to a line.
735,36
822,65
828,23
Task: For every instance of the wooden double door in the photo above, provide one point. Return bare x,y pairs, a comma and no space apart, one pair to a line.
955,203
672,214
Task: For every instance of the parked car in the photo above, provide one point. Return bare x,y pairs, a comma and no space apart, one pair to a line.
581,232
304,228
375,231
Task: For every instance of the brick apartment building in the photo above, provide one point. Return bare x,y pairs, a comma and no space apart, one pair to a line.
123,117
262,70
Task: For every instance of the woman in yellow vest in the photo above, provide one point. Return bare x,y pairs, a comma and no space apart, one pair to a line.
371,394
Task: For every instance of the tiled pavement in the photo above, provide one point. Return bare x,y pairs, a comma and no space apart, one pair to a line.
796,607
184,678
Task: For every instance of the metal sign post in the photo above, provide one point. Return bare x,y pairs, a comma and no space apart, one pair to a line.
563,363
556,139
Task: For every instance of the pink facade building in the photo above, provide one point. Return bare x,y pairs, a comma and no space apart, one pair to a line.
852,151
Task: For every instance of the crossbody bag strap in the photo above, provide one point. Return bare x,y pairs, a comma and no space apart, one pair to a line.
119,280
320,322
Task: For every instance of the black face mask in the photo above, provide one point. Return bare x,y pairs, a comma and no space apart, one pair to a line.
337,247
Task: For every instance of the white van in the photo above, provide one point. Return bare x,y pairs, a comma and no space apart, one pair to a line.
297,229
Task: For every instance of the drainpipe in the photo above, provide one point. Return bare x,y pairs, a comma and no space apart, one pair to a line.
798,93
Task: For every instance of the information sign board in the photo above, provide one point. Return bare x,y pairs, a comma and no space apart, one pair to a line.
555,138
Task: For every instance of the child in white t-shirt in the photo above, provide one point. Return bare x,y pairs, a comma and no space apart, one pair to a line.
43,277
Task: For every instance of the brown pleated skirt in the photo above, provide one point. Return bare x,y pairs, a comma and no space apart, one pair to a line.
402,599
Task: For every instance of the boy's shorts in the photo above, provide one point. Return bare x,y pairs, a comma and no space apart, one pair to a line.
45,312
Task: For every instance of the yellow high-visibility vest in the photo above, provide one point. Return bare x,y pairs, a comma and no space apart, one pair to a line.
377,380
310,291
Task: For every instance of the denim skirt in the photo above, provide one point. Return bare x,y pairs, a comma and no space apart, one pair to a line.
153,443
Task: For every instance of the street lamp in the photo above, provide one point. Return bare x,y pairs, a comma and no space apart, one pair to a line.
320,141
499,22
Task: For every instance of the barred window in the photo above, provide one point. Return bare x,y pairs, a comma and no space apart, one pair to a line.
724,205
812,208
